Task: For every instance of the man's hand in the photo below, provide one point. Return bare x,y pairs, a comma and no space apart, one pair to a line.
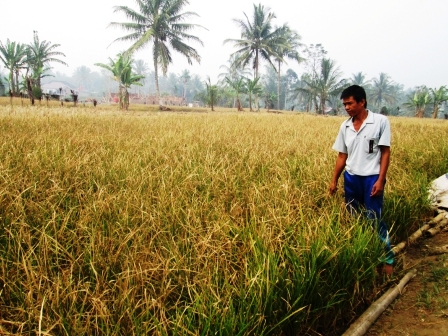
377,189
340,165
333,188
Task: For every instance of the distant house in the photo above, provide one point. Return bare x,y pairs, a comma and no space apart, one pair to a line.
57,88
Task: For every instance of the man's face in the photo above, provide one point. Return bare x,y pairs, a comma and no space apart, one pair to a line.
352,107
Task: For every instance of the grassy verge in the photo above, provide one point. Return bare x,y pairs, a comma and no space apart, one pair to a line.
218,223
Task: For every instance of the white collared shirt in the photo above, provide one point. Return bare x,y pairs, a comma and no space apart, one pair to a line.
362,146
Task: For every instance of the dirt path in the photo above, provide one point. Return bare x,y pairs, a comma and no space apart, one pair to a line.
422,308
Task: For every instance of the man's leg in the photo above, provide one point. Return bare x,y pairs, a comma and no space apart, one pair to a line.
353,192
374,206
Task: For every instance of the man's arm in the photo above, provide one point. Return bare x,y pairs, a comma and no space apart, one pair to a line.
340,165
378,187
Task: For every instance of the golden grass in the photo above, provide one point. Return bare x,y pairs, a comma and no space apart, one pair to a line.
181,223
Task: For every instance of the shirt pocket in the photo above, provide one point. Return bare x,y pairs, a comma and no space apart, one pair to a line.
371,145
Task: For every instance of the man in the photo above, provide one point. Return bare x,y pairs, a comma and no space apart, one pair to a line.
363,144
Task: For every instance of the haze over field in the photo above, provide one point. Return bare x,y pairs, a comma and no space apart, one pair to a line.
405,39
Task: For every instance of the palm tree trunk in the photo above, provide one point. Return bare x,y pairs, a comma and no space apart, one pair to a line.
17,82
30,91
156,73
419,113
256,63
256,76
278,87
11,82
435,112
126,99
322,105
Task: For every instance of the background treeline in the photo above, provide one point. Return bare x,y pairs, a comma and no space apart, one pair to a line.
251,79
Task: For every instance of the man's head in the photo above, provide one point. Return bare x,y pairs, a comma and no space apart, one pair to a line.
357,92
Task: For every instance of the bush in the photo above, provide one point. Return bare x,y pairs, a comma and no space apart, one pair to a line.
37,92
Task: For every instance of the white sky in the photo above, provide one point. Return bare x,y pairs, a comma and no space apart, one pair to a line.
408,39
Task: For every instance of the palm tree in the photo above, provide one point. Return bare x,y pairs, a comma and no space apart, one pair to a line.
359,79
269,98
382,90
140,68
287,50
438,97
238,86
197,85
324,84
13,56
232,71
258,39
160,23
303,93
185,77
122,73
212,93
40,55
253,89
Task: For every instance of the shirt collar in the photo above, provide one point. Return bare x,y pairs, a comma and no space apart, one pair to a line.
369,120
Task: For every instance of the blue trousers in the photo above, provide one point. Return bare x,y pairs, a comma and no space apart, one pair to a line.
357,191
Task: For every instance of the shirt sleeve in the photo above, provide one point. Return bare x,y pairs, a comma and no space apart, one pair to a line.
385,136
339,145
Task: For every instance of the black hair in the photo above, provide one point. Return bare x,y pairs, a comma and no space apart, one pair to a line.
355,91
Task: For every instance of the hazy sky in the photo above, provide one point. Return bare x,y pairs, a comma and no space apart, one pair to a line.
408,39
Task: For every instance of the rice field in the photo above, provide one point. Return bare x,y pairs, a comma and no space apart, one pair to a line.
188,223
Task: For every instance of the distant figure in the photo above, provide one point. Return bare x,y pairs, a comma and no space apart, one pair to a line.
363,144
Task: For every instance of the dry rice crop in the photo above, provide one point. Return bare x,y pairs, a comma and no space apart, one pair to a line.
194,223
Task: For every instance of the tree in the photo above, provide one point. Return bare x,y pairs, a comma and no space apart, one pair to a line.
40,55
325,83
212,93
382,90
438,96
122,73
175,85
359,79
269,98
196,86
291,79
305,91
13,56
185,77
419,100
140,68
161,24
258,39
314,54
253,89
232,71
83,77
232,76
238,87
287,50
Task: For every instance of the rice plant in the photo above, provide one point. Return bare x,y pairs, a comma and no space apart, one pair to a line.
138,223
